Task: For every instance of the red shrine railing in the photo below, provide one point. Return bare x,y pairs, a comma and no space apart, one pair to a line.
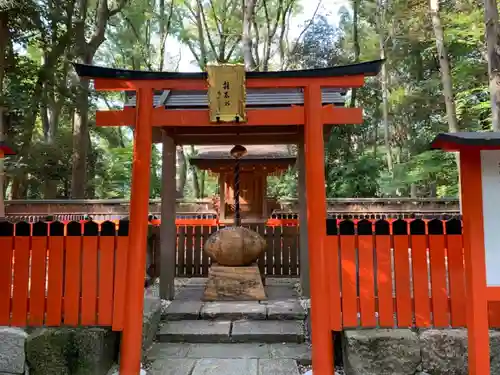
401,273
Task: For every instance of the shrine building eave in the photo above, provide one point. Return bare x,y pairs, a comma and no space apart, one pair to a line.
273,159
466,141
369,68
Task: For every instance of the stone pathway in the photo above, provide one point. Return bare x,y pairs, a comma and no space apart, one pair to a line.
231,338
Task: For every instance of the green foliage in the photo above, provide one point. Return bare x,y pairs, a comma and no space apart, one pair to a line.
284,185
139,37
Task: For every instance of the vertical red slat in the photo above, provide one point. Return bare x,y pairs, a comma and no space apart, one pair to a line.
38,277
55,275
106,277
22,243
384,281
420,280
6,254
89,279
349,280
72,273
120,276
402,278
332,253
438,281
366,280
457,280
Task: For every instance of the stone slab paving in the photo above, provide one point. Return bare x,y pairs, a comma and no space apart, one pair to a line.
183,310
172,366
278,367
195,331
267,331
297,352
275,292
285,310
161,350
217,366
223,366
234,310
190,293
258,350
241,331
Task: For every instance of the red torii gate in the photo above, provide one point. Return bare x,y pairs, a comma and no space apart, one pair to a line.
286,124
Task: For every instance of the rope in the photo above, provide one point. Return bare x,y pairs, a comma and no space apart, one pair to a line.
237,217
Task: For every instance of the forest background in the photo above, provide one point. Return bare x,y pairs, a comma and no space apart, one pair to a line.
440,75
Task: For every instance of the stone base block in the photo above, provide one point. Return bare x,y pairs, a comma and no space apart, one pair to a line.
381,351
234,284
71,351
12,356
151,318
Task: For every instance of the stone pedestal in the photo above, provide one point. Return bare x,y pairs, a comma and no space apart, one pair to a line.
241,283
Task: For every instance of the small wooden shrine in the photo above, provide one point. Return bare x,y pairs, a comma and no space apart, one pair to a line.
259,163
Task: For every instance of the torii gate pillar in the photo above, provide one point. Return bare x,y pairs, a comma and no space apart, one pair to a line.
130,354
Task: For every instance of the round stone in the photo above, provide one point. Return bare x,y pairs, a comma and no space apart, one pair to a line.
235,246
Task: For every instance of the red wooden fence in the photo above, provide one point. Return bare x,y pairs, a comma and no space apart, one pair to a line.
405,273
408,274
56,274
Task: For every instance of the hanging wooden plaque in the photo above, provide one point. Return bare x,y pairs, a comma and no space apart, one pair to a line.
226,92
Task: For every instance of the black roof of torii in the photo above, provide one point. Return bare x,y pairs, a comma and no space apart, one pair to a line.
369,68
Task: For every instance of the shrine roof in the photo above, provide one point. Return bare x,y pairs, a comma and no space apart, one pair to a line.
369,68
254,152
462,140
210,156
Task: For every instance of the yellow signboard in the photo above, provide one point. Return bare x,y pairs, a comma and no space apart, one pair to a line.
226,92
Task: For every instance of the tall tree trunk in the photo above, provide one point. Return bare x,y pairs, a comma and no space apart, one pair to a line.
182,170
445,67
86,52
4,40
80,141
384,83
246,39
194,176
493,44
444,64
203,177
92,160
355,41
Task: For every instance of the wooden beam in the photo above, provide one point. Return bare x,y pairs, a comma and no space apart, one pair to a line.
256,117
105,84
341,115
259,139
168,233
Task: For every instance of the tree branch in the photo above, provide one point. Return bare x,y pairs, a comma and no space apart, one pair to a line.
309,24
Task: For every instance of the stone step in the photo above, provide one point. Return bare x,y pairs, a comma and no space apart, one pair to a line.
241,331
232,310
297,352
223,366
